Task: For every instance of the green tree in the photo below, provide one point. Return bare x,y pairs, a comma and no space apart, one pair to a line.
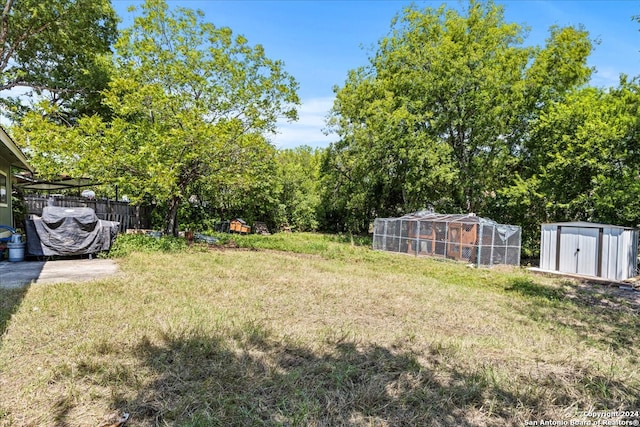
57,50
51,145
190,106
580,160
248,193
583,162
441,114
298,187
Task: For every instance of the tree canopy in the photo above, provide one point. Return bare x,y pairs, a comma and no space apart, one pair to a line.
441,115
56,49
190,104
581,163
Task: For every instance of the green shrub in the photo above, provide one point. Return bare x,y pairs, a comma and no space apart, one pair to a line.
128,243
331,246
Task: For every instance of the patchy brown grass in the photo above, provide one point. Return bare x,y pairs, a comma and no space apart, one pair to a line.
237,338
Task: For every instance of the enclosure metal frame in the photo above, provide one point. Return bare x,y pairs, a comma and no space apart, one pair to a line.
469,238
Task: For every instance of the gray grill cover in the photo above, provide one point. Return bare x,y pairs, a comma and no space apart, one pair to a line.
69,231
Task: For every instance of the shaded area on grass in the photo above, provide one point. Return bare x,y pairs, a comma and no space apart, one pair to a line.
591,310
245,377
527,287
204,380
10,300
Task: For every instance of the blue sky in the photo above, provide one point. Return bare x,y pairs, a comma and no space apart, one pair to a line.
320,41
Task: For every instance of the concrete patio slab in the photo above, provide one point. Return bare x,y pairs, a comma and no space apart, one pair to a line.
18,274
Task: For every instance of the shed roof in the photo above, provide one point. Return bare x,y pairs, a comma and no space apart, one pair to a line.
585,224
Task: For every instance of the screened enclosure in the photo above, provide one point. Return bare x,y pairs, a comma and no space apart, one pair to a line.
468,238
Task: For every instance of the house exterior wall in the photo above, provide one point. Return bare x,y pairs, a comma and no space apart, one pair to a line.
6,216
10,155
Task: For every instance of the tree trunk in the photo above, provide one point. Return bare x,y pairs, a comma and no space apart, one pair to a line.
171,220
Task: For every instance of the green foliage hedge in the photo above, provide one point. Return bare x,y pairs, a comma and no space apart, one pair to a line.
125,244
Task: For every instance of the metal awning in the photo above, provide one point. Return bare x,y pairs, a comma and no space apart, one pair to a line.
27,182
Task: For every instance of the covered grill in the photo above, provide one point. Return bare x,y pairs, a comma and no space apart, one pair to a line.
69,231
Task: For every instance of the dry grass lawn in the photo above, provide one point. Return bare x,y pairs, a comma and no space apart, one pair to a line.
342,336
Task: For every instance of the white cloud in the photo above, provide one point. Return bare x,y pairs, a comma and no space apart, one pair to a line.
16,92
308,129
605,77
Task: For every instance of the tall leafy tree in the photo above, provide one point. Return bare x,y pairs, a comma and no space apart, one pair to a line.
56,49
298,187
192,103
191,108
583,162
441,114
249,193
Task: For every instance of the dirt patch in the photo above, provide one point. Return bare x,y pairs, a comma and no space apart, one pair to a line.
625,298
621,296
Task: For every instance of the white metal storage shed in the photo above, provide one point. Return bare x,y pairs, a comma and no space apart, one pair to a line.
589,249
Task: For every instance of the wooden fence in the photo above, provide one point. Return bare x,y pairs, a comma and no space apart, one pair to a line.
109,210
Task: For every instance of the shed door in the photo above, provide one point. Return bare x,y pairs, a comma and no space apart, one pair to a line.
579,250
